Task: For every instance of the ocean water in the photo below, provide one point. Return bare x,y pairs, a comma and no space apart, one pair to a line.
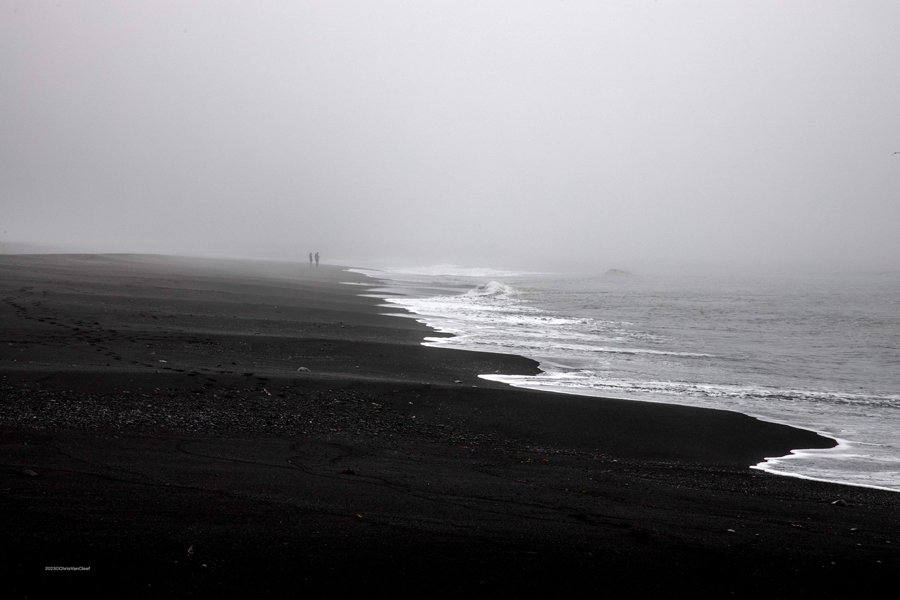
819,352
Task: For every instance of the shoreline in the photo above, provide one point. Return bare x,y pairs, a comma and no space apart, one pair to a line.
769,465
280,427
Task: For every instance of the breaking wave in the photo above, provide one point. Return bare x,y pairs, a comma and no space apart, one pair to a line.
493,289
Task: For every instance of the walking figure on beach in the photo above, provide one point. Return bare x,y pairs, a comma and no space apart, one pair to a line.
310,259
317,260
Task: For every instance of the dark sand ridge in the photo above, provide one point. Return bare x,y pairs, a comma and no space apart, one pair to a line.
191,427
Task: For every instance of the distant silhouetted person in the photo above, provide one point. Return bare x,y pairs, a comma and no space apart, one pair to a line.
317,259
310,259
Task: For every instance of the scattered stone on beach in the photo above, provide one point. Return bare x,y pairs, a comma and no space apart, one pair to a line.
839,502
303,369
29,472
348,472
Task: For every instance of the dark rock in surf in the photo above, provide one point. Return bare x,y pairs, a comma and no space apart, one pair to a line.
618,274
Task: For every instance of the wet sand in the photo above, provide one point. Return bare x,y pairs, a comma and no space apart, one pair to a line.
184,427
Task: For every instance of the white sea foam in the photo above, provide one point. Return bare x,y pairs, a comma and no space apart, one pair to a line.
593,383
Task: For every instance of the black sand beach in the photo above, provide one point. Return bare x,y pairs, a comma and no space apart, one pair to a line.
190,428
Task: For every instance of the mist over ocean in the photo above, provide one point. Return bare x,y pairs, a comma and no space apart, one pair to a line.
820,352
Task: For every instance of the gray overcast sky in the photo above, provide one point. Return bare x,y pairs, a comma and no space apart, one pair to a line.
549,134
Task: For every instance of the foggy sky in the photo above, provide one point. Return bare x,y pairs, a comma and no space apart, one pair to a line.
507,134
